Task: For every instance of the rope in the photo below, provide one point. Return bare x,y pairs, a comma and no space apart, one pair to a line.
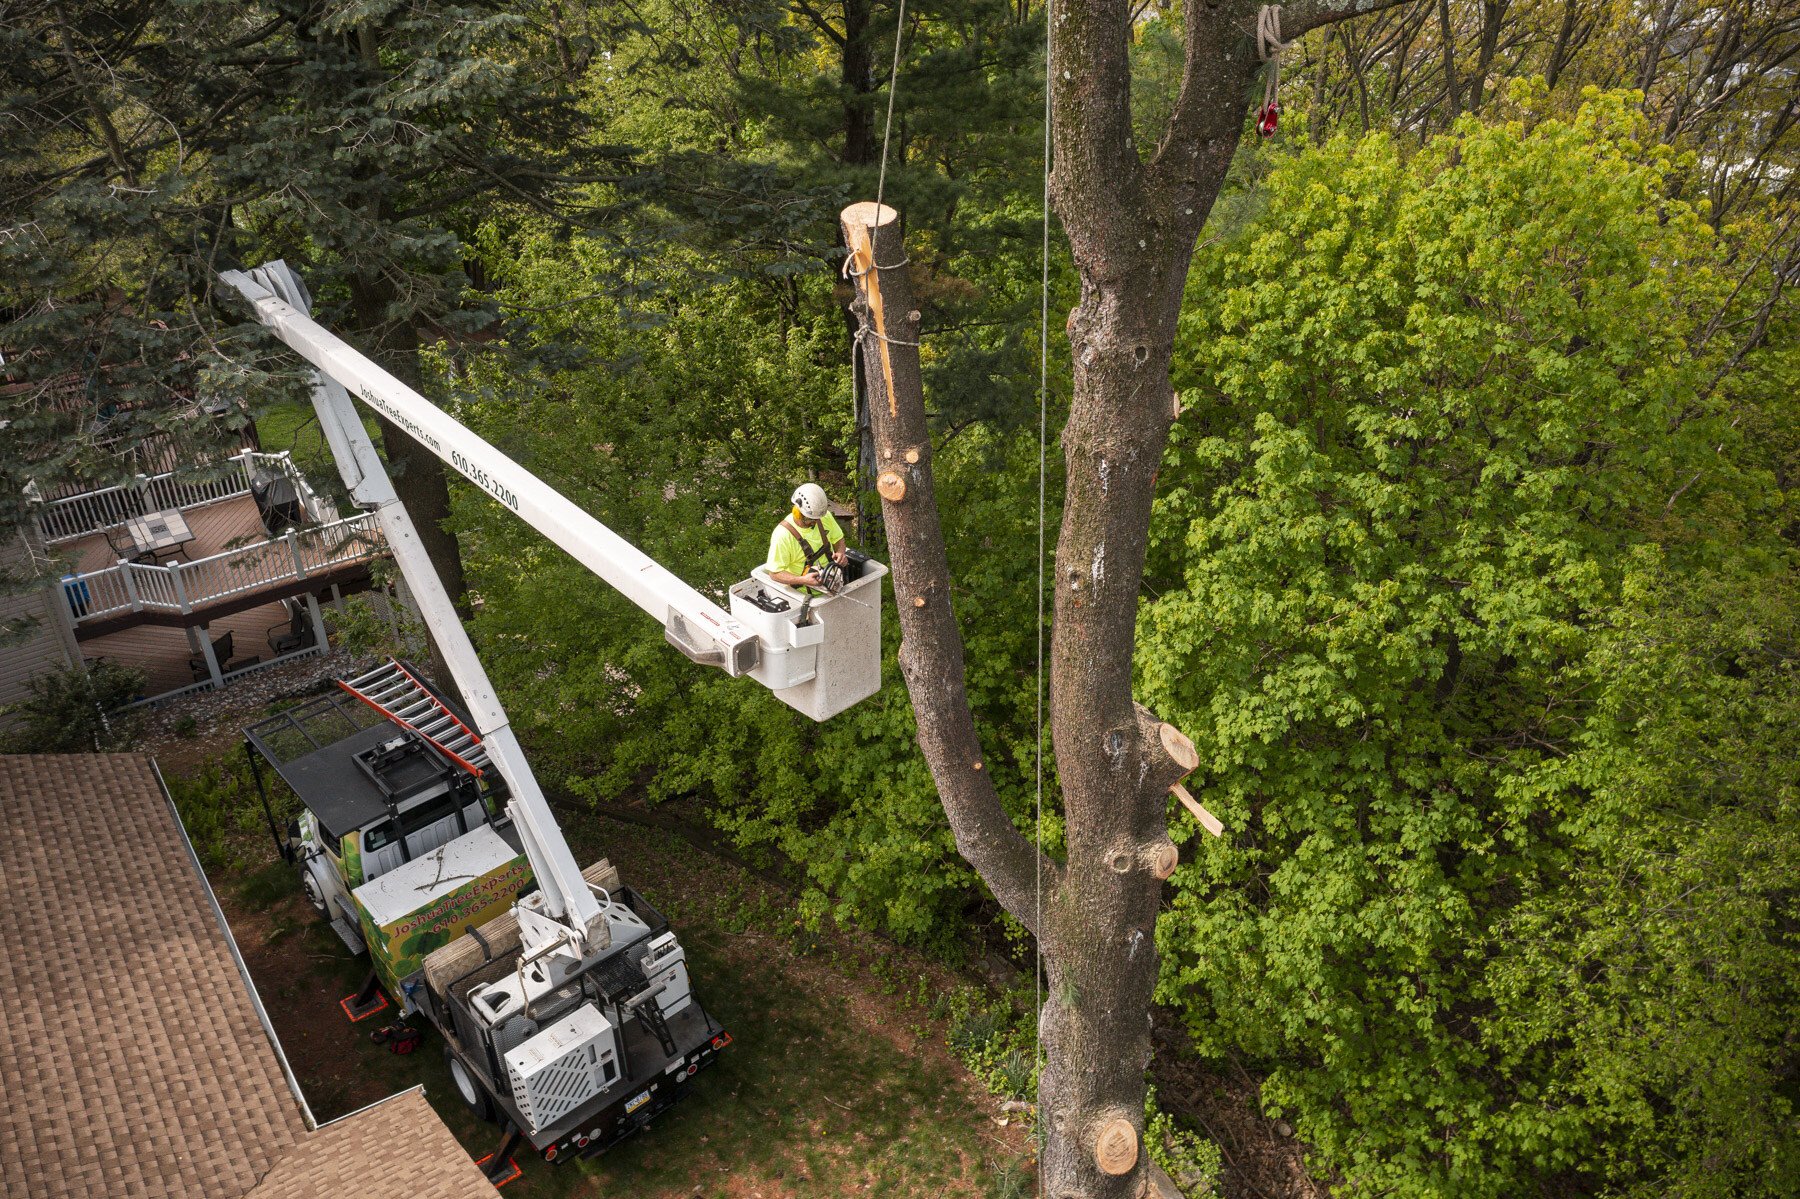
1268,49
887,129
866,330
1037,974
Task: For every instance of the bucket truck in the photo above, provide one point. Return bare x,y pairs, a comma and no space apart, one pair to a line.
567,1012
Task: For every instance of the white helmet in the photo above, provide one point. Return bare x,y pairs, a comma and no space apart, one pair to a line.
809,500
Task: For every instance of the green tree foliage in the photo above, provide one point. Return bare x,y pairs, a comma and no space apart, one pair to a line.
760,121
1653,987
1443,405
684,429
150,143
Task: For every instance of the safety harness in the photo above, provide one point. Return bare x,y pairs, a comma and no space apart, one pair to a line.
810,553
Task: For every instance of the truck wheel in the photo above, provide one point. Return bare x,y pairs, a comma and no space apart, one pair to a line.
472,1092
314,898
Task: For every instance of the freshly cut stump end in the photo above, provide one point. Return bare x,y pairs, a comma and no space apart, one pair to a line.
1116,1148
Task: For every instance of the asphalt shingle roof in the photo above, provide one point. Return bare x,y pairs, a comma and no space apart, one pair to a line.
134,1063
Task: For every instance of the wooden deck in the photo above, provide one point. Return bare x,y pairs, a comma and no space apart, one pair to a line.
219,526
230,566
241,595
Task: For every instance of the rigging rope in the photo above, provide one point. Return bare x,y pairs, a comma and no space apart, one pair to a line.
1037,973
1268,49
887,129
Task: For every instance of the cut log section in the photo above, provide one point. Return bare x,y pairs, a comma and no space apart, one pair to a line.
1207,820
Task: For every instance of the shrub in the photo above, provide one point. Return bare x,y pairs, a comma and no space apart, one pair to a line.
78,711
1190,1160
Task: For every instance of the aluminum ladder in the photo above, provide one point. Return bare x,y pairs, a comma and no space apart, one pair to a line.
397,694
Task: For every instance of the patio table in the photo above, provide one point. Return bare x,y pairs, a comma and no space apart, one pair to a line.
159,532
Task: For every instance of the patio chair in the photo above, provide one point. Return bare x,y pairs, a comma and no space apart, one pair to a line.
296,631
222,650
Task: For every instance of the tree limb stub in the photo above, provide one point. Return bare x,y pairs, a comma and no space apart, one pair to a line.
1116,1147
931,651
1163,859
1168,755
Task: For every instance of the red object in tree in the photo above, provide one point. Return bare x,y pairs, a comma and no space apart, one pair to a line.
1265,120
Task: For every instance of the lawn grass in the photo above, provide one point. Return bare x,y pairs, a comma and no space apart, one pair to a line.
295,428
837,1081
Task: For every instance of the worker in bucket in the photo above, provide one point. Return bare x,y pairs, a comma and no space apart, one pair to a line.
807,542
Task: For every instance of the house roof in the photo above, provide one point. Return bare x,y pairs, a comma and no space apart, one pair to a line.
398,1149
136,1063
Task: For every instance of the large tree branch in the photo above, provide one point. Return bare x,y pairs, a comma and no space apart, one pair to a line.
1208,116
1098,177
931,649
1308,15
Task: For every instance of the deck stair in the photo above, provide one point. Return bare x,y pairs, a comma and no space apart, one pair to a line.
395,692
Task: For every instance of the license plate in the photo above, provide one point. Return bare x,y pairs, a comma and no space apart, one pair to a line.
638,1102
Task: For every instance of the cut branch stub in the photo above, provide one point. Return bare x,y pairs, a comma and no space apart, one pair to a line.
1116,1148
1169,756
891,485
1164,858
864,225
1180,750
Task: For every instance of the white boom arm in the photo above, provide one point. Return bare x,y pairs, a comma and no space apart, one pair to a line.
568,914
693,624
819,667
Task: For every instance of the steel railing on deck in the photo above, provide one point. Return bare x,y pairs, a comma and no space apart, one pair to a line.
96,511
186,586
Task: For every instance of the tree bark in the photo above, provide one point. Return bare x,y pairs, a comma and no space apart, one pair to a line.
1132,221
931,650
1446,31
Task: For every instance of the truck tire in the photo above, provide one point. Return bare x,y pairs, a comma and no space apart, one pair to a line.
472,1092
315,899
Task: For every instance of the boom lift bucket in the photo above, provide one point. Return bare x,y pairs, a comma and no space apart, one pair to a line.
827,664
820,665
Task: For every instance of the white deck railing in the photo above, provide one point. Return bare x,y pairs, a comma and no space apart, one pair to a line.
186,586
96,511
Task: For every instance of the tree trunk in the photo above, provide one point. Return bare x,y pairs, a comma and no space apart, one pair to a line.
1097,913
1451,93
1132,223
858,79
